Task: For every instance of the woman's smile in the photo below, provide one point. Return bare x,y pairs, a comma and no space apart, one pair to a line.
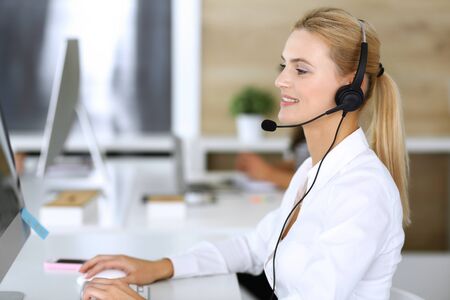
288,100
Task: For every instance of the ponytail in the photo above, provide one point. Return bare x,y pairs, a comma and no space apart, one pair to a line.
388,136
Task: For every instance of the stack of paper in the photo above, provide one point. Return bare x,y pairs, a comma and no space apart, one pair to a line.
71,208
165,206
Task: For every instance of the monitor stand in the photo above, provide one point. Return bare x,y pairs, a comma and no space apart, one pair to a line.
11,296
99,177
97,155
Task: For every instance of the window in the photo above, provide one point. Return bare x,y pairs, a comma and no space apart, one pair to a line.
125,49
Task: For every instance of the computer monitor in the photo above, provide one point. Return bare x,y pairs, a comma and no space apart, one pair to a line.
64,109
63,103
13,231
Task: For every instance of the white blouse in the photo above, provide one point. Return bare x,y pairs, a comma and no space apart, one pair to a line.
345,243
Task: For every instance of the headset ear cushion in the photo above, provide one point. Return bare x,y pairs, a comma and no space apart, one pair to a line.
340,93
350,97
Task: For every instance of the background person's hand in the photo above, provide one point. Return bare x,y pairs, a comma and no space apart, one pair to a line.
138,271
253,166
109,289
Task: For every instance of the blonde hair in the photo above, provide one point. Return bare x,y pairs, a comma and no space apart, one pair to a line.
342,32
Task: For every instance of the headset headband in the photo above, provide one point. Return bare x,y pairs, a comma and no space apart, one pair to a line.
359,76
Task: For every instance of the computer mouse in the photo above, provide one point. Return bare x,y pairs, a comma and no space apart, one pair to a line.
109,274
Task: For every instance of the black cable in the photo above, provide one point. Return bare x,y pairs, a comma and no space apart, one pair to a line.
319,116
298,203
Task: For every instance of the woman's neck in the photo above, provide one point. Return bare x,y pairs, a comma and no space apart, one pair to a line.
319,134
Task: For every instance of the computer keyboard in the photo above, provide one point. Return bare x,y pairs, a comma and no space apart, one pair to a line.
143,291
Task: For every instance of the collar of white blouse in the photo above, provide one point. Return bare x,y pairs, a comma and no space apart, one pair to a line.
350,147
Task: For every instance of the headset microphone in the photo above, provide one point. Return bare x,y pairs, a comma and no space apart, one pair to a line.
269,125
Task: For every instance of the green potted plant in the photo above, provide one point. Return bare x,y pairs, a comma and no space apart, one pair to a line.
249,106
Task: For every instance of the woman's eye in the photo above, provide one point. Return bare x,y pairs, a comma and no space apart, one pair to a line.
282,66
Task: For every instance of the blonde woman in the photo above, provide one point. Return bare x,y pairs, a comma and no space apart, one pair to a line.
344,239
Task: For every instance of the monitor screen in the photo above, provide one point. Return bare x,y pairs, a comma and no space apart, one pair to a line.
63,104
13,231
9,202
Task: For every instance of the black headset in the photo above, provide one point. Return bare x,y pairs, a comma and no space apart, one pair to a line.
350,97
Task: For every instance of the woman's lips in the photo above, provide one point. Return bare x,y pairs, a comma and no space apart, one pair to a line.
288,101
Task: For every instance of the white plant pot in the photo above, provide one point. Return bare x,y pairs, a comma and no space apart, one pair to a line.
249,127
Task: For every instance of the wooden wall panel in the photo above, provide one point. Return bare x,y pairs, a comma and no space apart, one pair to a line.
242,42
429,199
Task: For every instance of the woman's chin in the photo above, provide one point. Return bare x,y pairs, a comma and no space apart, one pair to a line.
287,118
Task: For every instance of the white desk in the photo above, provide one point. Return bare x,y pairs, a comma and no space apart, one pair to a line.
28,276
124,144
135,236
130,179
231,213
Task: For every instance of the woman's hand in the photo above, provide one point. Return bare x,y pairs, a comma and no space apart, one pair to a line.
254,166
138,271
109,289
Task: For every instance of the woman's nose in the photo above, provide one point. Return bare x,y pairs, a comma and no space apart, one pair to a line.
282,80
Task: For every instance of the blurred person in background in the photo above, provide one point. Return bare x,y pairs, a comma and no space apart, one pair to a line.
280,174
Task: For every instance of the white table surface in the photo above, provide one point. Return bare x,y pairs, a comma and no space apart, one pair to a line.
147,143
27,274
133,234
424,274
231,212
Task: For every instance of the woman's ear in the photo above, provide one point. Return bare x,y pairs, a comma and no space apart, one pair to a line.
349,79
365,83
